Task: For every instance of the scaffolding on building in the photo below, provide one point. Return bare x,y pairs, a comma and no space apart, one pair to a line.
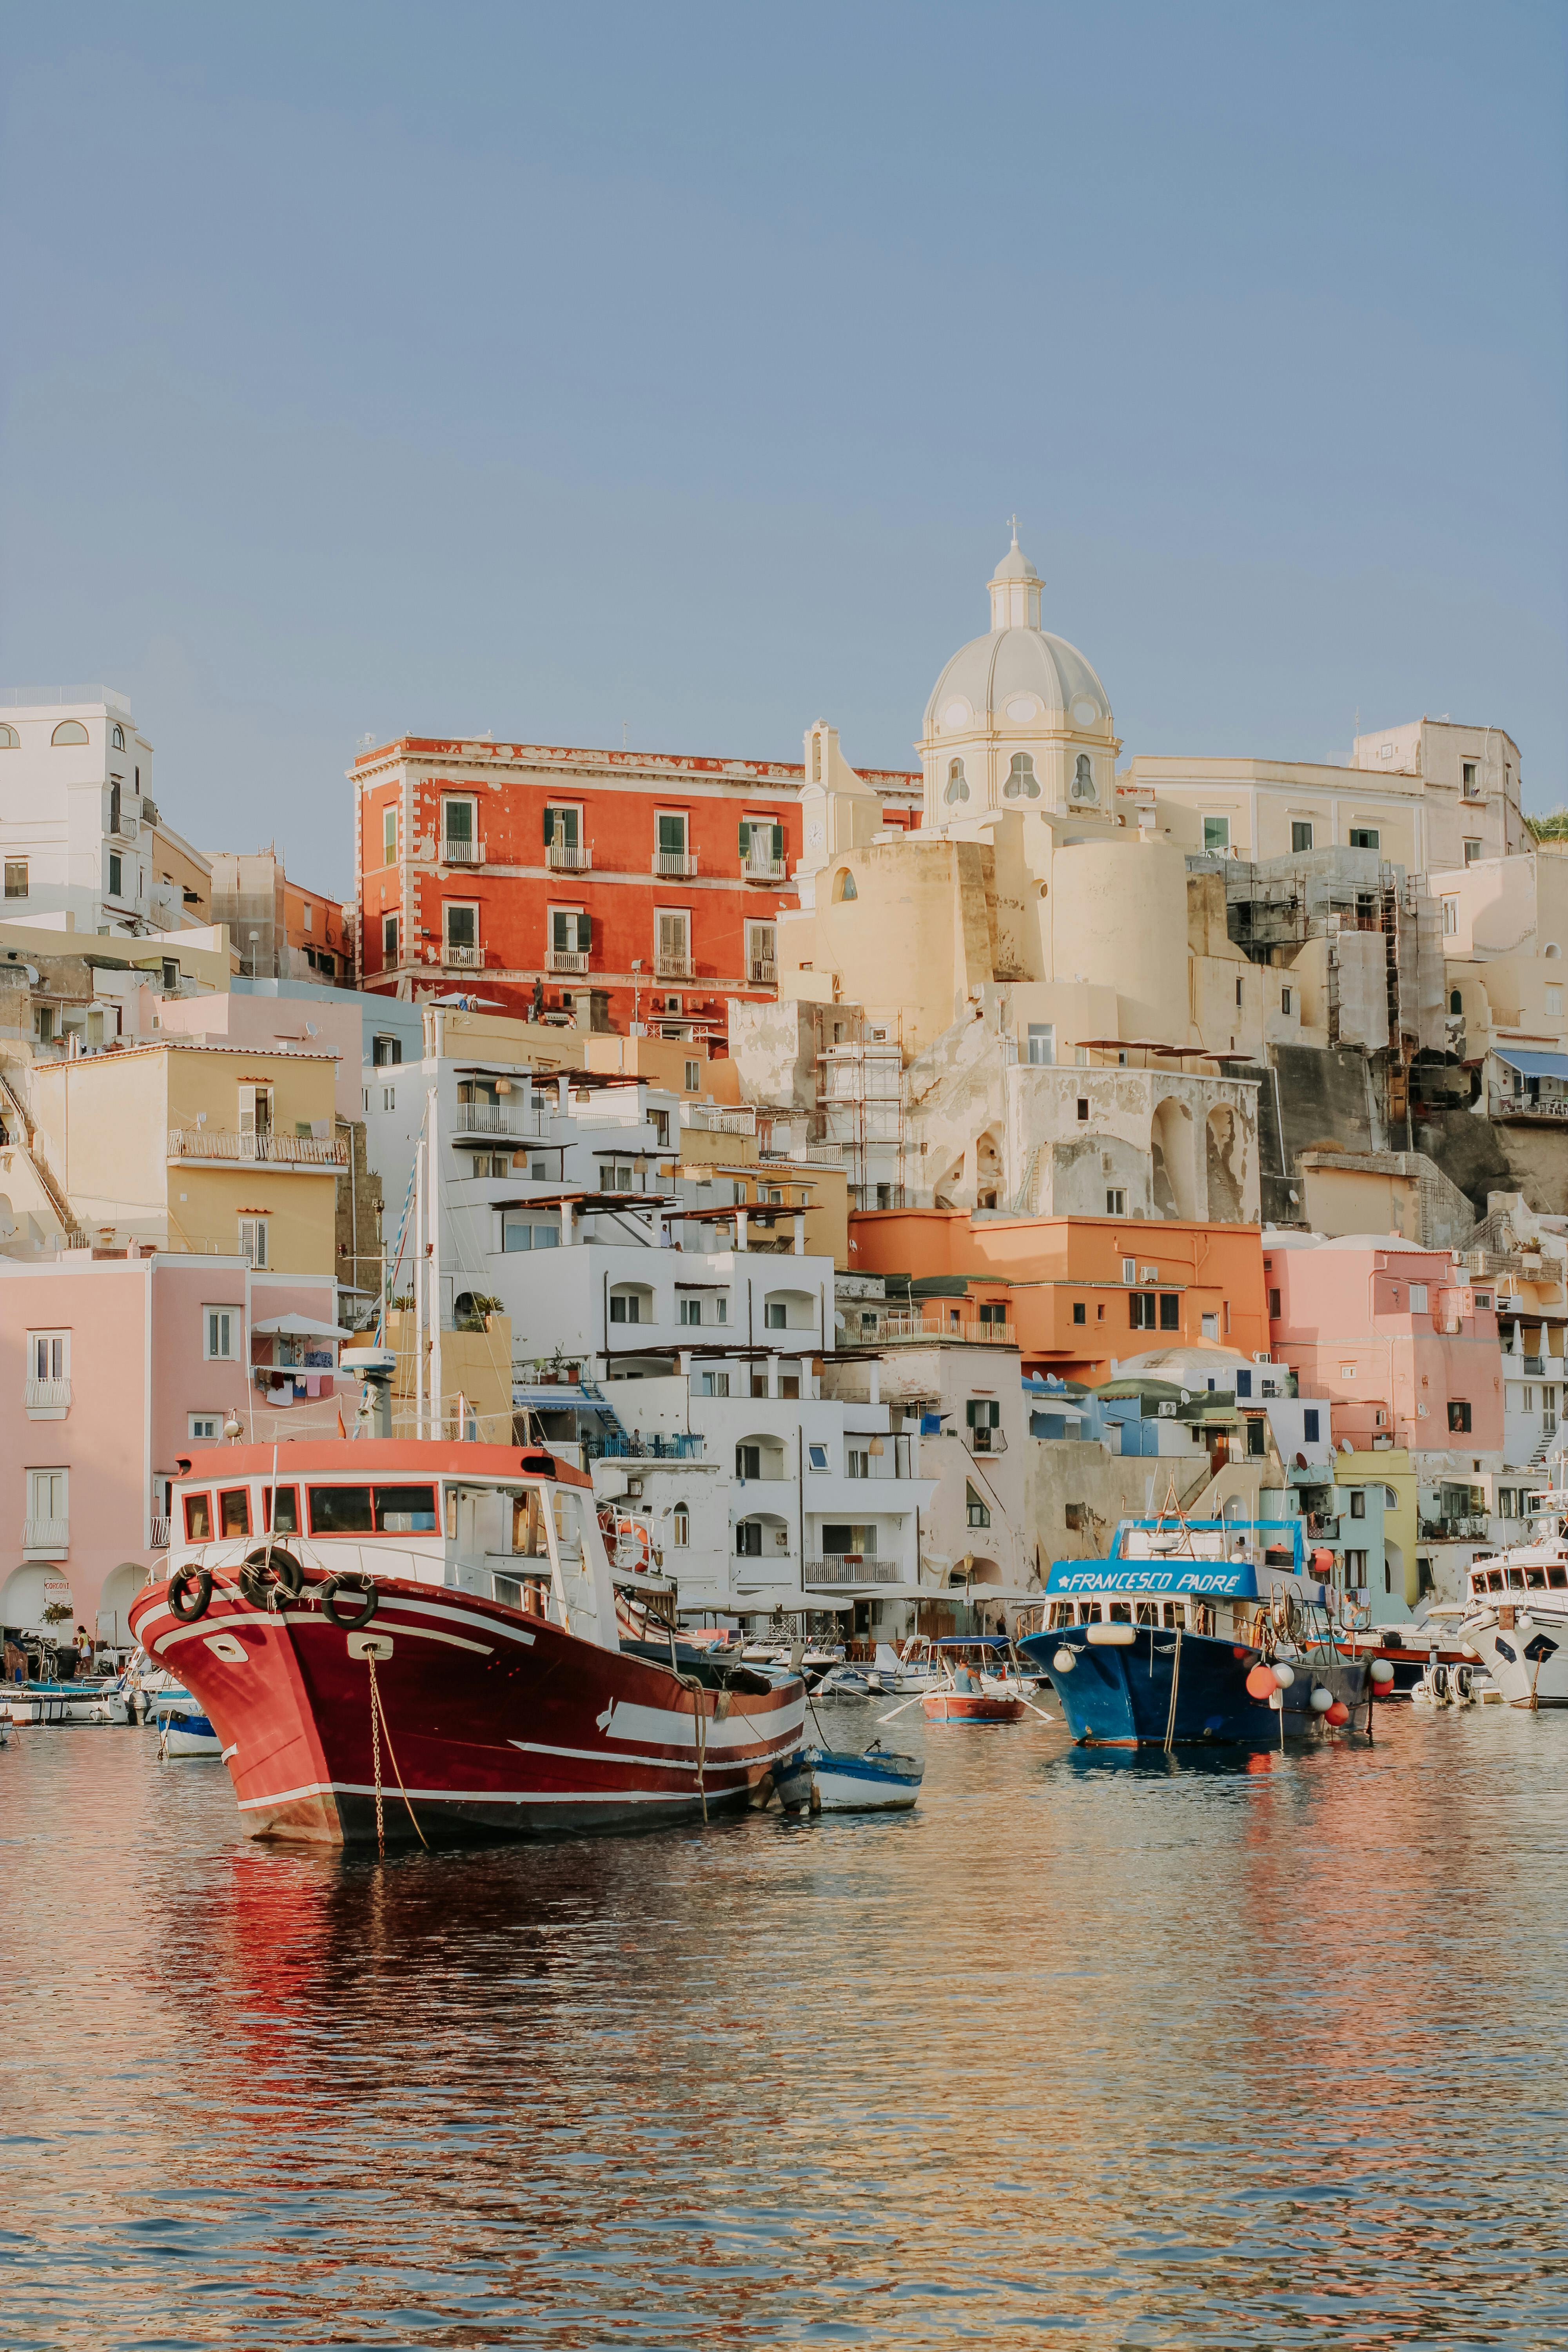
860,1114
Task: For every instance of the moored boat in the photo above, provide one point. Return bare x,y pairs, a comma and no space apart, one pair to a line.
1207,1632
838,1780
972,1707
402,1640
1514,1617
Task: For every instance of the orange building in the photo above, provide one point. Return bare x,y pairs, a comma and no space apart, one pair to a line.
1078,1293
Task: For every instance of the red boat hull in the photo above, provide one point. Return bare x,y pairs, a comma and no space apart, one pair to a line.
962,1706
492,1722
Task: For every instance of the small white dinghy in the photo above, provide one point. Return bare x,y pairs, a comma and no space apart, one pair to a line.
182,1728
836,1781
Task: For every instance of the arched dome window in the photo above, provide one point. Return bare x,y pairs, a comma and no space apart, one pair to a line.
9,740
1553,951
1456,1001
1022,784
70,731
957,782
118,739
1083,779
844,886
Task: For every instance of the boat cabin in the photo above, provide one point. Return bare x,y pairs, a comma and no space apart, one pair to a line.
1206,1577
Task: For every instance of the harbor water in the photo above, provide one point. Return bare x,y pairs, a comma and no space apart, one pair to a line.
1088,2049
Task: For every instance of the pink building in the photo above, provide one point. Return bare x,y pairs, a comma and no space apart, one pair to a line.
1404,1342
114,1367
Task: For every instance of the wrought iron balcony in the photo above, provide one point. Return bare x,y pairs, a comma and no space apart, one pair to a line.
276,1150
568,856
675,865
569,959
462,853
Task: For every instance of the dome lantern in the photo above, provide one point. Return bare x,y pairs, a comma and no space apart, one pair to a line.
1016,590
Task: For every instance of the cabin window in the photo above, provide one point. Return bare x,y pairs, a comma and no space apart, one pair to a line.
1121,1612
405,1510
1557,1578
341,1511
234,1511
281,1513
528,1535
198,1518
1148,1612
1516,1580
506,1591
353,1511
1494,1579
1535,1580
1173,1615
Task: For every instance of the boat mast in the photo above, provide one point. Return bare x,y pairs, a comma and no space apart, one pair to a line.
419,1285
433,1212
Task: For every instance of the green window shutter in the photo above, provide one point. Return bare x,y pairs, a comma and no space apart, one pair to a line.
584,934
778,841
558,932
745,839
549,826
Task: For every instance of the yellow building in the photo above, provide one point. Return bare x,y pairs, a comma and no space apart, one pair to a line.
203,1148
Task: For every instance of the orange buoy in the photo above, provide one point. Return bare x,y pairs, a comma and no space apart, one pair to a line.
1337,1712
1260,1681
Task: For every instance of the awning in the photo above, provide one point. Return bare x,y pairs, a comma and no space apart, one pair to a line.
298,1326
1533,1065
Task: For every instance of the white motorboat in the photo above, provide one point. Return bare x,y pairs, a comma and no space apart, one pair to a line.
1514,1617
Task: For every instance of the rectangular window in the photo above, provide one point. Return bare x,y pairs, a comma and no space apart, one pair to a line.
1274,1305
389,834
1450,917
749,1539
1284,999
774,1315
1083,1107
389,938
625,1306
341,1511
198,1518
1080,1311
1216,834
1553,1001
1254,1433
977,1511
1115,1201
388,1099
1143,1310
1310,1425
1458,1413
816,1458
1170,1311
674,948
234,1511
458,826
1418,1298
281,1517
222,1329
1364,837
462,925
1238,997
693,1077
691,1310
853,1542
1042,1044
254,1108
713,1384
1470,776
1472,853
1300,838
858,1461
1210,1326
15,878
671,836
49,1355
253,1240
405,1511
116,872
1243,1381
203,1424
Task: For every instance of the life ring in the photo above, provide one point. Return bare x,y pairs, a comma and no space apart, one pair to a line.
369,1600
269,1573
190,1594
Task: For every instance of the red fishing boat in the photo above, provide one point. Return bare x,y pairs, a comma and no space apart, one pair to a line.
415,1640
963,1697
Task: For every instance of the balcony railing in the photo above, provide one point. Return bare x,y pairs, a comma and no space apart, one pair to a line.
708,1120
463,959
574,960
462,853
276,1150
675,865
764,972
1509,1106
763,869
52,1535
848,1570
1464,1530
48,1396
157,1535
495,1118
568,856
932,1324
673,966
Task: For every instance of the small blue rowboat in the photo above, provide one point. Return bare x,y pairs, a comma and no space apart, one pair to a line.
182,1728
834,1781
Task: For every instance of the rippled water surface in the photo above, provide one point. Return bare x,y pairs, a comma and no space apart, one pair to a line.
1087,2050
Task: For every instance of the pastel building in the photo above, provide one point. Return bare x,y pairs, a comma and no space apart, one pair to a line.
113,1367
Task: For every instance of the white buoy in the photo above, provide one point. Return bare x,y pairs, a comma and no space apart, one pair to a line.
1064,1662
1321,1700
1284,1675
1382,1672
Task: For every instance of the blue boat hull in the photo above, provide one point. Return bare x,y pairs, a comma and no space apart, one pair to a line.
1121,1698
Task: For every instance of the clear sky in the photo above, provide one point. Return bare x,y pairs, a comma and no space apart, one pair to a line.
547,371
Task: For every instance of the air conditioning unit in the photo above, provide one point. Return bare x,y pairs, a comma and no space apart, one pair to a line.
1265,1358
1149,1273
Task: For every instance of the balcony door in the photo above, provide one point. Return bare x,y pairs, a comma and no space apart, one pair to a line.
256,1110
675,945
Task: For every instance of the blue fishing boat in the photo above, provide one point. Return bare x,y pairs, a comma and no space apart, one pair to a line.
838,1780
1203,1631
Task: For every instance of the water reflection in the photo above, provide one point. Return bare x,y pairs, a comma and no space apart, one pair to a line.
1135,2050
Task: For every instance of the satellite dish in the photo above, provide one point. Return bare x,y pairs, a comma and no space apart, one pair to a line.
1300,1461
311,1029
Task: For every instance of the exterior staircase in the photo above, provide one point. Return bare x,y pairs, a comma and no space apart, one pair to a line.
22,1133
609,1420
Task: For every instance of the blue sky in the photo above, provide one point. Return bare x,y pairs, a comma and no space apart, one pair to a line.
372,369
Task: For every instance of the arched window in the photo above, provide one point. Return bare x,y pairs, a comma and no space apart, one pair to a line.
1553,951
1083,779
1022,784
9,740
957,782
844,886
70,731
1456,1001
118,739
680,1526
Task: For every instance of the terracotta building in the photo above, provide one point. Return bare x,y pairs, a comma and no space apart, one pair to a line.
613,887
1079,1295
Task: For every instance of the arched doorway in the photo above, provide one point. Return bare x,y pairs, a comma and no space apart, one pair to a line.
1170,1149
1224,1148
120,1587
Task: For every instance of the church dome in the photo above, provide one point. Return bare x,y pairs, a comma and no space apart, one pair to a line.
1018,675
